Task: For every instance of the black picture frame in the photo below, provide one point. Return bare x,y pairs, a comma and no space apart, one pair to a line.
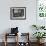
18,13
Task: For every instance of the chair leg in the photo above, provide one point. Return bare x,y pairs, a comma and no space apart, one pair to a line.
5,43
5,39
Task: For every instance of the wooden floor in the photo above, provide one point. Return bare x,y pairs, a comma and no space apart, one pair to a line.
13,44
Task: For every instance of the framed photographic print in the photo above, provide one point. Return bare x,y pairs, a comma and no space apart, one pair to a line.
41,8
41,12
18,13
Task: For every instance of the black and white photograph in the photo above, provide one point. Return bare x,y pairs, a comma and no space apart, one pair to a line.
18,13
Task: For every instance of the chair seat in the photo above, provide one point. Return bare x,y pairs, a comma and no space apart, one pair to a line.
9,34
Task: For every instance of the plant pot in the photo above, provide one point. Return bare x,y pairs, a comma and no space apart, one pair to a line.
40,41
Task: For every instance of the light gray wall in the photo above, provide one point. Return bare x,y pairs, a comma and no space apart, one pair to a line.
24,25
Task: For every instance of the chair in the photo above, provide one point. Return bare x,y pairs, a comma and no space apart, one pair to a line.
7,35
26,41
14,32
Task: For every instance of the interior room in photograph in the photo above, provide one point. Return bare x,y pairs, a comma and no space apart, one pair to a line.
18,13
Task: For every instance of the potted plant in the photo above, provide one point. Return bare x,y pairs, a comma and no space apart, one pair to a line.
35,26
38,27
39,35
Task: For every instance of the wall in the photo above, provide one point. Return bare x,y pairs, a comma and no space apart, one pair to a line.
24,25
